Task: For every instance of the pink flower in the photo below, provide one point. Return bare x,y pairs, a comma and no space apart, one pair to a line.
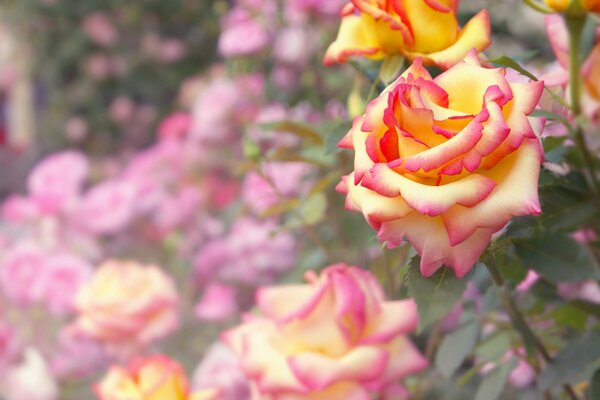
121,109
250,254
293,46
110,313
243,39
283,182
10,346
77,356
21,274
218,303
62,277
175,125
171,51
220,369
100,29
334,337
98,66
107,208
19,209
56,181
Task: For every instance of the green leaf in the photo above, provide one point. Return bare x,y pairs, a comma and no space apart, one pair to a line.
569,315
335,134
556,257
313,209
571,360
456,346
435,296
506,61
492,384
551,117
594,389
494,346
299,129
390,68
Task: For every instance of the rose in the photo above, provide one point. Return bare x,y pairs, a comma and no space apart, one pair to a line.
127,303
412,28
335,338
445,163
152,378
563,5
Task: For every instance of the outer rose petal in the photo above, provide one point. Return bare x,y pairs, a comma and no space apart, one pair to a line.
516,194
430,239
353,39
427,199
317,372
475,34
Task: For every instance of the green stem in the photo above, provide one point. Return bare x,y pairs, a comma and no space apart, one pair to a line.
520,323
538,6
575,26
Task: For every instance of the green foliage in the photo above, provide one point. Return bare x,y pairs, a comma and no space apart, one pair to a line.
436,295
456,346
494,381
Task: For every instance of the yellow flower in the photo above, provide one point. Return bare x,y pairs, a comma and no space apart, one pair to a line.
562,5
413,28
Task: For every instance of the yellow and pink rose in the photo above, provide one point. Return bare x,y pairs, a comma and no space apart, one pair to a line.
334,338
412,28
445,163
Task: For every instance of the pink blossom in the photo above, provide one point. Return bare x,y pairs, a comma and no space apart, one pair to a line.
21,274
218,303
220,369
56,181
281,182
171,51
10,345
76,129
121,109
243,39
175,125
98,66
177,208
293,46
589,291
77,356
62,277
251,253
19,209
108,207
100,29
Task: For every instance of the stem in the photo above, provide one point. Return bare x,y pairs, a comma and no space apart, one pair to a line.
575,26
538,6
519,321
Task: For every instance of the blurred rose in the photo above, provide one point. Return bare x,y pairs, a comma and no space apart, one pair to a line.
56,181
218,303
251,253
100,28
333,338
108,207
171,50
76,129
151,378
126,303
62,276
243,39
220,370
279,181
21,270
442,170
98,66
31,380
175,125
411,28
10,345
121,109
77,356
294,46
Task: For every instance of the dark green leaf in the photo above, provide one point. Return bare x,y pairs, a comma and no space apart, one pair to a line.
436,295
569,315
493,346
556,257
492,384
571,360
594,389
456,346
